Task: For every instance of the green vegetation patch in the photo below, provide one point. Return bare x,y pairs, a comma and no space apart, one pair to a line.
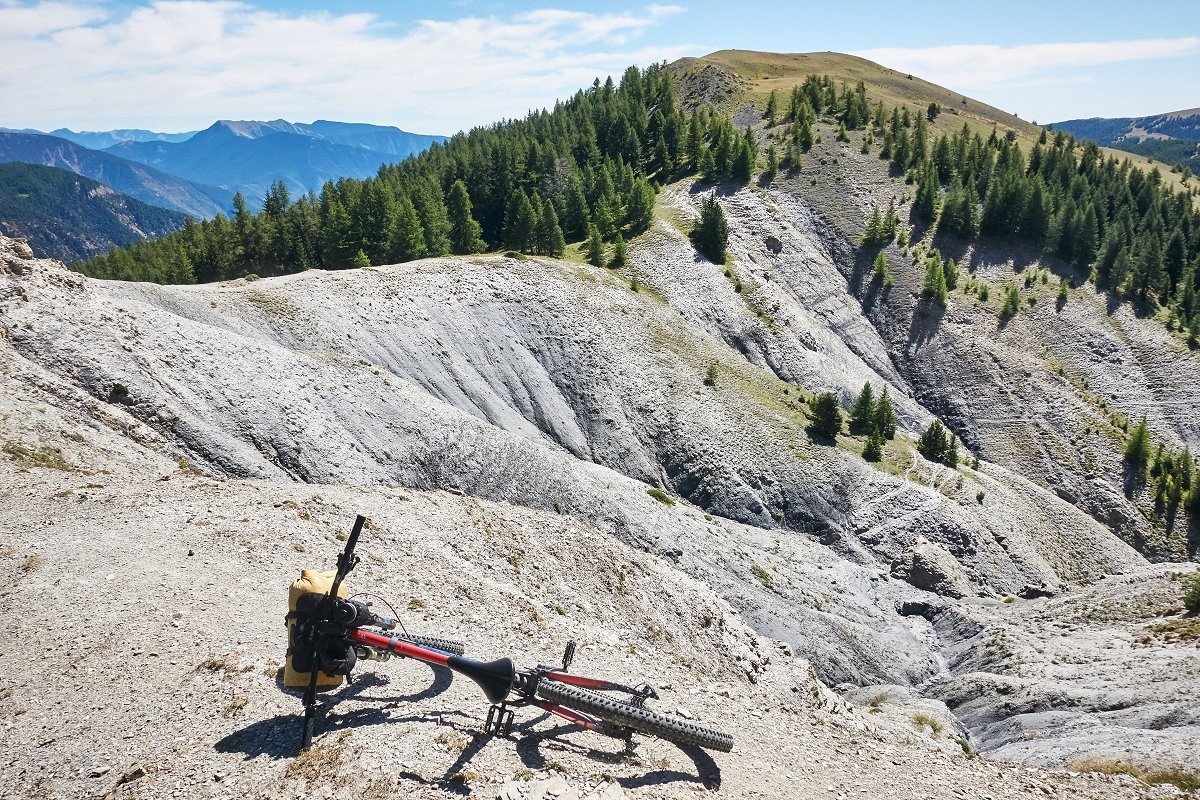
763,576
661,496
44,456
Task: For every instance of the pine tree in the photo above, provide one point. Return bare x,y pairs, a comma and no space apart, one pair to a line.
874,230
950,269
1083,250
604,217
576,215
933,286
958,211
884,422
1012,301
550,241
827,416
277,199
874,449
863,410
707,164
745,158
639,213
772,109
772,163
595,246
620,257
880,272
408,237
926,202
430,204
710,234
520,222
804,134
465,234
891,221
1137,448
935,442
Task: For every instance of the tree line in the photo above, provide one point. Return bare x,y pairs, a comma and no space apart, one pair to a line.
587,169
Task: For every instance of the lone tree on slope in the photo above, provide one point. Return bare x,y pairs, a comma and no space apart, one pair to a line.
710,234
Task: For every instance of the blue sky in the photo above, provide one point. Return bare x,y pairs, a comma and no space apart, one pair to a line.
439,68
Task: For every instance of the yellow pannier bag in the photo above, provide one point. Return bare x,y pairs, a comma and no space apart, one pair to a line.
299,664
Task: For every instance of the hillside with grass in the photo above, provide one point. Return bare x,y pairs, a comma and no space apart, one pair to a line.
756,74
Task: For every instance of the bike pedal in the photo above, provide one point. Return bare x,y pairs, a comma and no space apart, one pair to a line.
499,720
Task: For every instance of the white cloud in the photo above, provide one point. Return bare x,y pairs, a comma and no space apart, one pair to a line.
39,19
173,64
973,67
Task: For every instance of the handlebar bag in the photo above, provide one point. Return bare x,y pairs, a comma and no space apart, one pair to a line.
311,585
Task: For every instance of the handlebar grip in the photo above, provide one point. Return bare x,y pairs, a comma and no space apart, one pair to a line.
359,521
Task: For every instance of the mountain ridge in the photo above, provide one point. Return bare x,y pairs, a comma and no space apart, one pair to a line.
248,156
139,181
69,217
1172,137
98,140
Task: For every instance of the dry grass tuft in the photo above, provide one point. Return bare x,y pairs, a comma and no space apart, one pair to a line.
921,719
1184,781
318,761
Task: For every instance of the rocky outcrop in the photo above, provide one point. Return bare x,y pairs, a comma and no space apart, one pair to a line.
930,567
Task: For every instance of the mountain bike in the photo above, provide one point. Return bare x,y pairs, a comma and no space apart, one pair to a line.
332,634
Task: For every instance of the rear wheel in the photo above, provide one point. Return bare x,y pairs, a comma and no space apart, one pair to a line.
633,717
435,643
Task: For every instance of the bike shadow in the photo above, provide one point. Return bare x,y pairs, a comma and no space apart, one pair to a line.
529,749
279,736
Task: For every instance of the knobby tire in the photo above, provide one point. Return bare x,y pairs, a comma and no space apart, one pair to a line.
434,643
625,715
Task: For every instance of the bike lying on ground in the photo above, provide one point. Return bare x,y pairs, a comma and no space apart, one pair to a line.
331,634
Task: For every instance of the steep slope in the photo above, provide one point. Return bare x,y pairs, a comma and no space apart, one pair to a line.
1047,394
505,577
1172,138
140,182
66,216
248,156
1036,395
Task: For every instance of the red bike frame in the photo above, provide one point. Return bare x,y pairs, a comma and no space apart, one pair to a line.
471,668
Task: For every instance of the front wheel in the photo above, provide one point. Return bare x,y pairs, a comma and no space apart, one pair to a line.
639,719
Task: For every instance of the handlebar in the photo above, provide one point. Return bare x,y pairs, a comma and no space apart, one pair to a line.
355,613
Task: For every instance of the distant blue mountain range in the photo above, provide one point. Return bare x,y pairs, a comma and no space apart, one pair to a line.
248,156
98,140
197,172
